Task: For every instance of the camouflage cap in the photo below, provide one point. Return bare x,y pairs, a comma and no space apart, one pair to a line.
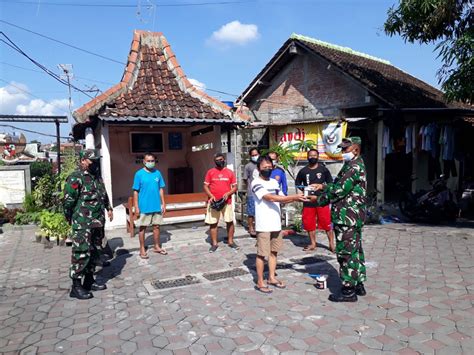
347,142
91,154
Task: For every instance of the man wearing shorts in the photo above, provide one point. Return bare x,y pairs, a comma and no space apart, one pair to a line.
268,196
250,173
315,217
149,203
220,184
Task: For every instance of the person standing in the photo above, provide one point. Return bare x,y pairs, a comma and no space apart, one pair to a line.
149,203
220,184
347,196
250,173
315,217
268,197
85,200
278,173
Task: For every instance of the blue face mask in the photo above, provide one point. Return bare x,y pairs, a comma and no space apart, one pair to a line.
150,165
254,159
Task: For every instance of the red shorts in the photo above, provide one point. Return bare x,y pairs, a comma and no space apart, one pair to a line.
320,216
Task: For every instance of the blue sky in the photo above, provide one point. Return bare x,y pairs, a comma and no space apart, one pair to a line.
222,46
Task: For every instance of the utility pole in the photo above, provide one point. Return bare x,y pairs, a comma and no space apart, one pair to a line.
67,75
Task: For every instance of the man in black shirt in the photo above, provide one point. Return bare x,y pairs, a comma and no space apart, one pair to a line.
315,217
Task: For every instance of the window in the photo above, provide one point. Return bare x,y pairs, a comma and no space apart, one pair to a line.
146,142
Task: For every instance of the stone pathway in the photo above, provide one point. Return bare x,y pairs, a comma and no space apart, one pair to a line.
420,298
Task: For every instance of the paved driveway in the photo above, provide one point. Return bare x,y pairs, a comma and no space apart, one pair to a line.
420,297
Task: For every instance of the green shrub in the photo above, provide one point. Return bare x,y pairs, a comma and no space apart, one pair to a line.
54,225
27,217
39,169
43,194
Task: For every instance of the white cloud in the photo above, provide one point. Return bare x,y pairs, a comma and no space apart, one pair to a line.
198,84
15,100
235,33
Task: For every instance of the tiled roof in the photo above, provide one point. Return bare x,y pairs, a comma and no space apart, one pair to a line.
154,86
391,85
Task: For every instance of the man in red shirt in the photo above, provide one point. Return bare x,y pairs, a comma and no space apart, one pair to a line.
220,184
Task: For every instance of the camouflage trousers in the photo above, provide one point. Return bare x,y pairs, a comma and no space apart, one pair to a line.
84,251
350,254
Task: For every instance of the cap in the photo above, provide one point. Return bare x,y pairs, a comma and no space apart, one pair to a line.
347,142
91,154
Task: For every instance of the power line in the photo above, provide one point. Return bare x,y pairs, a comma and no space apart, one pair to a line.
42,72
55,76
30,131
63,43
190,4
94,54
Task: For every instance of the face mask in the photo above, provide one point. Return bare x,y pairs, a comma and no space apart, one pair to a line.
266,173
275,162
93,168
254,159
348,156
313,161
220,163
150,165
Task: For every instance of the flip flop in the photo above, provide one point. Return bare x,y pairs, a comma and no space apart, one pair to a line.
263,289
277,284
309,248
144,256
161,251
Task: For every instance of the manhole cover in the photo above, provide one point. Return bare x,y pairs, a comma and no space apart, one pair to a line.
213,276
171,283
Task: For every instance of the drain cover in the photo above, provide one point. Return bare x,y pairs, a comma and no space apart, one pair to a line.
311,260
213,276
171,283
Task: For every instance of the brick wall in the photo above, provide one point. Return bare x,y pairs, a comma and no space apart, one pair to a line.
306,89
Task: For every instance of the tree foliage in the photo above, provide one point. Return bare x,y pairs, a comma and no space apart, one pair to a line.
449,24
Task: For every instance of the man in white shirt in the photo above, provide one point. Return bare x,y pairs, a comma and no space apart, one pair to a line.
268,196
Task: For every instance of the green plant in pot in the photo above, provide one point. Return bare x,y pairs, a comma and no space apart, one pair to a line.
53,226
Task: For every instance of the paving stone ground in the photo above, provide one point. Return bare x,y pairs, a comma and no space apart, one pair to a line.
420,298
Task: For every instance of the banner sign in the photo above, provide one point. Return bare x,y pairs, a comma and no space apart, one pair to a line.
326,136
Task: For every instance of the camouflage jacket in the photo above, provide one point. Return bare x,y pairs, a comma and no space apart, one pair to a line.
85,200
347,194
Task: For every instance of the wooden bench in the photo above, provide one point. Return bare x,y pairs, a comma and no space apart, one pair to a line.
179,205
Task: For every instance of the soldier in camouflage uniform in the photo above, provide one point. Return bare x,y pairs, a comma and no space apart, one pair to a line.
347,196
85,200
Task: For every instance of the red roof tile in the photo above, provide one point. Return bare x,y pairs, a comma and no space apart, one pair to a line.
154,86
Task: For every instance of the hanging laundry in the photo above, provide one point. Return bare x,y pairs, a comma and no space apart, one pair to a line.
448,143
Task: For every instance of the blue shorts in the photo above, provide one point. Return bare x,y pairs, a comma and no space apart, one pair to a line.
250,205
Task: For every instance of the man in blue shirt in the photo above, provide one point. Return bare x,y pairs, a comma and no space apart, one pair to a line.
278,173
149,203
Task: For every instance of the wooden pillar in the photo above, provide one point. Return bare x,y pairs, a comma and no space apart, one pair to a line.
380,180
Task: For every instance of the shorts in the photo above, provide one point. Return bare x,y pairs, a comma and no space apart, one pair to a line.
269,242
316,215
149,219
212,216
250,205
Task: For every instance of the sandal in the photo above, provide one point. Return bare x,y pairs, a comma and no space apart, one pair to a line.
162,251
309,248
144,256
277,284
263,289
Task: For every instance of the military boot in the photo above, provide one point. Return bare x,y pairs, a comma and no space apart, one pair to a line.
77,291
347,295
360,290
90,284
